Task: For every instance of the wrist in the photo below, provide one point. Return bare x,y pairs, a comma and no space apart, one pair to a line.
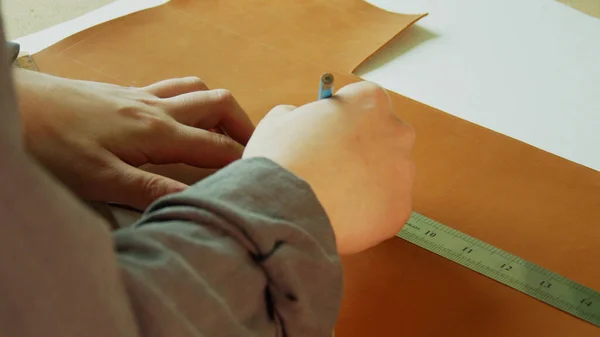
33,97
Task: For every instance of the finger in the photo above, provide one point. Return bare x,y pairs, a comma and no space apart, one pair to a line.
279,111
209,109
363,92
176,86
137,188
217,130
197,147
366,97
282,109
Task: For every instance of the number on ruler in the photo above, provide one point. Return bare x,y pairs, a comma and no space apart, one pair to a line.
430,233
519,278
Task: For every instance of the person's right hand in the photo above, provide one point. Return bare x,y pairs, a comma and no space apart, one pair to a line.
354,153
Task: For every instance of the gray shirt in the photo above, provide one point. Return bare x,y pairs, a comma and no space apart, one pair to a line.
249,251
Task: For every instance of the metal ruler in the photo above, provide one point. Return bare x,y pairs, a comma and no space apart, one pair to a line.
504,267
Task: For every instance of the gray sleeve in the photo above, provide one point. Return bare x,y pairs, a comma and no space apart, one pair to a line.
248,251
13,50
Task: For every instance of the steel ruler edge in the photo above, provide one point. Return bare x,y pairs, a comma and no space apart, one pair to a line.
504,267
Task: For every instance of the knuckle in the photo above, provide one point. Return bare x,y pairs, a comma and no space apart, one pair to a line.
373,89
153,186
157,124
286,107
371,98
130,111
195,82
226,143
370,94
188,101
277,112
150,100
224,100
224,96
225,149
282,109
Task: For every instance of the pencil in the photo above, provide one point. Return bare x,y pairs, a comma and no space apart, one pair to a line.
326,86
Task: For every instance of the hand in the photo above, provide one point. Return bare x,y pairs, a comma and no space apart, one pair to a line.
355,154
94,136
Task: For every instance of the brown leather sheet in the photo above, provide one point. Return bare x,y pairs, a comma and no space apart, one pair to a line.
521,199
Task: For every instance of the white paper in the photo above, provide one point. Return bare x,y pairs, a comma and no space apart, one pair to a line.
41,40
527,68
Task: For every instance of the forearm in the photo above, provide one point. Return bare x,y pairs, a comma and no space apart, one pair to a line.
60,273
248,251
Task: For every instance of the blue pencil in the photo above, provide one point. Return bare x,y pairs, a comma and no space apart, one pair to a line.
326,86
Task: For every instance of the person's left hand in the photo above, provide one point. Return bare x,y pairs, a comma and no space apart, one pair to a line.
94,136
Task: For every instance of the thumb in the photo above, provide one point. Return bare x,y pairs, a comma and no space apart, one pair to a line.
138,188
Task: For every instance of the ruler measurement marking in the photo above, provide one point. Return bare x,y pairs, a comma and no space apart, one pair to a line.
506,268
